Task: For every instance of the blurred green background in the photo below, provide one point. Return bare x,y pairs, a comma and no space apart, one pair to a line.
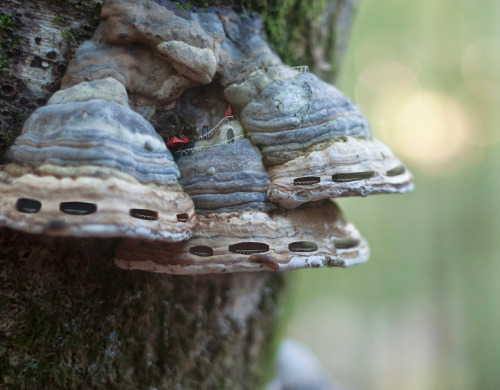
423,313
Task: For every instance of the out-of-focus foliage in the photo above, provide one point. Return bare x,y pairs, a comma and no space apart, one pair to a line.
424,313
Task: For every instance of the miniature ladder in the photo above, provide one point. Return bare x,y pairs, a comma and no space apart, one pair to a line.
296,69
186,152
209,134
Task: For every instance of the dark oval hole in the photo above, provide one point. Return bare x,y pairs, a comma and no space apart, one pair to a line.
183,217
303,246
353,176
78,208
306,180
346,243
28,206
399,170
247,248
148,215
204,130
203,251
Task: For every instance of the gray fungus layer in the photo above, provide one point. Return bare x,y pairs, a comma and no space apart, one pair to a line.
95,133
227,178
292,115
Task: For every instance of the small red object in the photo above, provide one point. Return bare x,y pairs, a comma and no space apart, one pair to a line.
175,142
229,112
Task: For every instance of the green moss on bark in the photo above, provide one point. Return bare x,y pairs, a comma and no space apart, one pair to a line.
8,39
288,26
70,319
312,33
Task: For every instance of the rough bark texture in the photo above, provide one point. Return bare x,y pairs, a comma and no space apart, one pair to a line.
69,318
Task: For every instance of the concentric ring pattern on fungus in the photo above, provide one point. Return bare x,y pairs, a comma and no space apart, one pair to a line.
256,149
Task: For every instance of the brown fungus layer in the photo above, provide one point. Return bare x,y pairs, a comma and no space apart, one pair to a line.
249,241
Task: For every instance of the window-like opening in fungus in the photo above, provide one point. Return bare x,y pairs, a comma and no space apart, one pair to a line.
248,248
148,215
28,206
204,130
77,208
303,246
183,217
353,176
399,170
230,135
346,243
306,180
203,251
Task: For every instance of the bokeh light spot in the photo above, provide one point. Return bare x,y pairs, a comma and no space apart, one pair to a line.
432,130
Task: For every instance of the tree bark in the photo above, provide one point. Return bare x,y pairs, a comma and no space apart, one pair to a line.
69,318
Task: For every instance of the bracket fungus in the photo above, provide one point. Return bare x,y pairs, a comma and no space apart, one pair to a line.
87,165
313,235
264,147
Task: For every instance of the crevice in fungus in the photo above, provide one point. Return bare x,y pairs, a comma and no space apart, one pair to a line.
183,217
306,180
77,208
346,243
148,215
399,170
247,248
202,251
353,176
28,206
303,246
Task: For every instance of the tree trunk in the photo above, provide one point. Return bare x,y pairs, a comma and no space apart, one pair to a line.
69,318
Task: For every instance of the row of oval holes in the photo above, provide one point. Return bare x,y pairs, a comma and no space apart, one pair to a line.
31,206
346,177
248,248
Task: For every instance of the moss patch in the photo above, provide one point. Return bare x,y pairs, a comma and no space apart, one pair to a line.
288,26
8,39
69,319
312,33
